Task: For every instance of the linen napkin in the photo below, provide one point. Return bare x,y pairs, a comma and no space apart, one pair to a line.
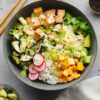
86,90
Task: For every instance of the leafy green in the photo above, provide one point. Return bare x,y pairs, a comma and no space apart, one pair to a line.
24,73
18,26
54,55
78,23
53,43
43,49
61,34
49,29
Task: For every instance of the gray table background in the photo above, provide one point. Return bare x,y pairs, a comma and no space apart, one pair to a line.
28,93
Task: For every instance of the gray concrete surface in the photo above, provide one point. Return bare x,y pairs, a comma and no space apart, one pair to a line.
28,93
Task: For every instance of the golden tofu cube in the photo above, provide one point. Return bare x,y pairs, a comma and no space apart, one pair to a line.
38,11
36,36
29,21
51,12
61,12
40,32
80,66
50,20
36,22
58,19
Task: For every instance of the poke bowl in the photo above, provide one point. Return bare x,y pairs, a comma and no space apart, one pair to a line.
50,45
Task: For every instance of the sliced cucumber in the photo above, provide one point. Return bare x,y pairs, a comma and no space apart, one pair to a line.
16,59
31,52
22,21
86,59
15,44
16,33
18,26
24,43
28,29
15,54
87,41
26,57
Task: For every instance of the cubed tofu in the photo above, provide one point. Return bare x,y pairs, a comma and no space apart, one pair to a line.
61,12
80,66
53,34
71,61
58,19
50,20
51,12
58,27
29,21
36,22
36,36
38,11
40,32
42,18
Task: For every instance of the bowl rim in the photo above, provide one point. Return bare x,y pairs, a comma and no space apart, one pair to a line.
51,87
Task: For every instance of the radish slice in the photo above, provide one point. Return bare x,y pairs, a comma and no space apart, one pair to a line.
38,60
32,70
33,76
41,67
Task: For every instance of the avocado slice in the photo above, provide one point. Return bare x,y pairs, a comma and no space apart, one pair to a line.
12,96
3,93
86,59
87,41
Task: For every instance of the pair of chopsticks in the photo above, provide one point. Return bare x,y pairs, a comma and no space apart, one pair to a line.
9,12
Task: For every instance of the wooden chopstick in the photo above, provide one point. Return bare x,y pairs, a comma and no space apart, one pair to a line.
19,7
9,12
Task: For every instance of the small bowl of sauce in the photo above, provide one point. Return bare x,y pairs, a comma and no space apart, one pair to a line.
95,5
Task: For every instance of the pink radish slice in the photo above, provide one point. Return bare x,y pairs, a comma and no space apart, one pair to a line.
32,69
32,76
41,67
38,60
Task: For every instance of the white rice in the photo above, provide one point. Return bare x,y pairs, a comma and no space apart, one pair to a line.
46,75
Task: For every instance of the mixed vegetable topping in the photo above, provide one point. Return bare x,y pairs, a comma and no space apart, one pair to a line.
7,94
51,40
